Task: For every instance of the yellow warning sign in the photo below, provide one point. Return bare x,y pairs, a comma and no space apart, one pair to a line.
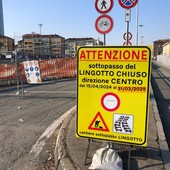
113,93
98,123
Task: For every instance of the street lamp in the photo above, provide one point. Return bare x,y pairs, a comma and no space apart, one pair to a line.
40,25
33,44
141,33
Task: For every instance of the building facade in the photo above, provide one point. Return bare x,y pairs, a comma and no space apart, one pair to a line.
166,49
72,43
6,45
37,45
158,46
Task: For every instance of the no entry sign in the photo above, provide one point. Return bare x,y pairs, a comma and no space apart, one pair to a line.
103,6
128,3
113,93
104,24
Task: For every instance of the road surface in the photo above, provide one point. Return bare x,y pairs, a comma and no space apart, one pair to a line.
29,119
161,88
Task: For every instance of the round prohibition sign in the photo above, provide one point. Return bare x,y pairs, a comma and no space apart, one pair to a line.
104,24
104,6
110,101
129,37
129,43
128,3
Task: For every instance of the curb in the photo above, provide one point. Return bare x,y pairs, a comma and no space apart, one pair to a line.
62,161
161,136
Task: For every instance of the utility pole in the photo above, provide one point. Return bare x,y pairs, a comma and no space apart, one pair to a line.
137,20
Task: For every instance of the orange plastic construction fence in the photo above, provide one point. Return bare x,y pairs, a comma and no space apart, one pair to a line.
62,67
55,68
7,71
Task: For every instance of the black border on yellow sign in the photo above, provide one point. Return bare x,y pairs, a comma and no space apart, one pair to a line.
148,91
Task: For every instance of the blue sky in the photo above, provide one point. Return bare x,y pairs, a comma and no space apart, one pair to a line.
76,18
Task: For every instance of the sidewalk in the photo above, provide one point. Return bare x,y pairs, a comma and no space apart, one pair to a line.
70,152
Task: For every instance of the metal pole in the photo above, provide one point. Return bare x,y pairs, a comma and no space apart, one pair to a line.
40,25
137,20
104,39
33,52
141,32
22,86
17,77
129,155
127,32
127,20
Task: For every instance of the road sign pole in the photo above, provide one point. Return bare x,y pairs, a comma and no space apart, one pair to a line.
104,39
127,20
127,32
17,75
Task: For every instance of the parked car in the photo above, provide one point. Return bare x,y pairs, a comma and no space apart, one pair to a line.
154,58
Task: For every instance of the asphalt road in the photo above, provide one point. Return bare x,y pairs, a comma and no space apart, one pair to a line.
161,88
24,120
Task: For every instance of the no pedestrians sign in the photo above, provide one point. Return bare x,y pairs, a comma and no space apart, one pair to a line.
103,6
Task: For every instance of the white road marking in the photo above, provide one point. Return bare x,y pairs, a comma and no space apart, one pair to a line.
37,148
